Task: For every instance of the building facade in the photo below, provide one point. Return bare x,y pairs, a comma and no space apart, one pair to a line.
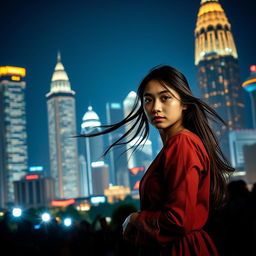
250,163
100,177
218,70
93,147
34,191
61,127
250,86
238,139
13,131
117,156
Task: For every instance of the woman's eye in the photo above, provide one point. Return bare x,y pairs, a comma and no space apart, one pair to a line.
166,97
146,100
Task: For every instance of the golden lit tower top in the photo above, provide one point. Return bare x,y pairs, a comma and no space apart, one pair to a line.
213,32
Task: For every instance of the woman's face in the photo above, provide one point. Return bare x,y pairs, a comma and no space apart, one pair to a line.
163,107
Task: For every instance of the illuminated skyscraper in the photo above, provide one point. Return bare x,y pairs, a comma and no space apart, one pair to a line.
13,134
217,68
83,177
250,86
93,147
118,159
61,127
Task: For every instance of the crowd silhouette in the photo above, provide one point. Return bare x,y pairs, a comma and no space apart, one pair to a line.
232,227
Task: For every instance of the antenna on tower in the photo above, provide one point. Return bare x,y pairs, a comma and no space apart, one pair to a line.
58,56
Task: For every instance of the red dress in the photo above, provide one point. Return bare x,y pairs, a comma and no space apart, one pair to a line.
174,200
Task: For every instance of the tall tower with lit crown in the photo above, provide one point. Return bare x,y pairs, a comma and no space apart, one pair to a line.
250,86
217,68
13,131
61,127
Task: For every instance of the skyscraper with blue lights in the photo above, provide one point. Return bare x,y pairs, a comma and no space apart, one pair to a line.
61,127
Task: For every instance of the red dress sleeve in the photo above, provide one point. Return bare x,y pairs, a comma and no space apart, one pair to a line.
181,174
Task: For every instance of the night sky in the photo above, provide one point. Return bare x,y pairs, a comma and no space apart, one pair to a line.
107,47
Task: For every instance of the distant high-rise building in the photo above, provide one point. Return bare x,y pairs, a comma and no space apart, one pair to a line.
142,157
217,68
94,146
61,127
34,191
250,163
100,177
13,131
250,86
238,139
83,177
118,159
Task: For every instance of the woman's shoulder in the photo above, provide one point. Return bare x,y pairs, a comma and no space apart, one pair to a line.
187,145
186,139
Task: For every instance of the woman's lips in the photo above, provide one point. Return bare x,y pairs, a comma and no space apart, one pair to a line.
158,118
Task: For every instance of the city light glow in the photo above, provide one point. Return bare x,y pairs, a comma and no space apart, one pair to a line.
253,68
15,78
32,177
46,217
249,82
67,222
136,170
8,70
97,164
98,199
63,203
36,168
16,212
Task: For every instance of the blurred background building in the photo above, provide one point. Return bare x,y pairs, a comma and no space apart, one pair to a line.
117,156
13,131
250,86
61,127
238,139
34,191
93,148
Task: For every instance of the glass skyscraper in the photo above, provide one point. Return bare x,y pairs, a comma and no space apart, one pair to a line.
217,68
61,127
118,159
92,147
13,134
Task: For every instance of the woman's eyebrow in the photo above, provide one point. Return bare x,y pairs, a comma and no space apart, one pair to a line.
149,94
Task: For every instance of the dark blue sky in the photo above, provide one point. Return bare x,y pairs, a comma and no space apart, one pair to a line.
107,47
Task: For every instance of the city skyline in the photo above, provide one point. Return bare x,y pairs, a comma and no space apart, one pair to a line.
104,66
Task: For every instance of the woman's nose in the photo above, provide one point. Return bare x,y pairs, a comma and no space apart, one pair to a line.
156,107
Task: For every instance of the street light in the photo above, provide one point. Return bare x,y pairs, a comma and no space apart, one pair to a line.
16,212
67,222
46,217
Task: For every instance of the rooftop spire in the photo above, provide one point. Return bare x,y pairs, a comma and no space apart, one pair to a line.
60,81
58,56
205,1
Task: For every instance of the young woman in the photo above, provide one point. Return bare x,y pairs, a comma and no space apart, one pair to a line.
187,178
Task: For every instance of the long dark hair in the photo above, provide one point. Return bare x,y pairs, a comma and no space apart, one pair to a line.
195,118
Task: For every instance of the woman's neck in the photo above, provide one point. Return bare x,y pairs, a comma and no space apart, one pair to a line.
165,136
